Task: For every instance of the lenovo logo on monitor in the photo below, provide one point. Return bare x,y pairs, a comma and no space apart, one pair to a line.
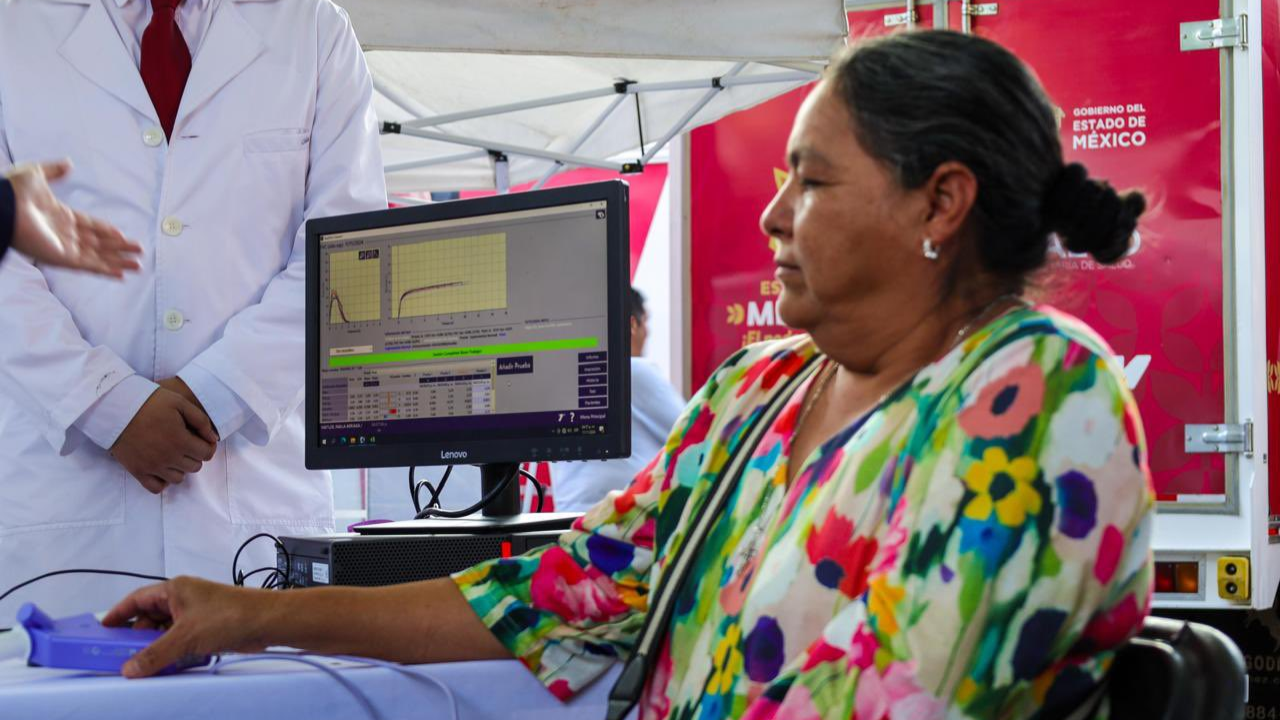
453,454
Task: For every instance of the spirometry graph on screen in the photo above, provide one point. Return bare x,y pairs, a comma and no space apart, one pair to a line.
355,287
457,275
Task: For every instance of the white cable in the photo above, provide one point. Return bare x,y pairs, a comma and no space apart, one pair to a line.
369,708
360,697
419,677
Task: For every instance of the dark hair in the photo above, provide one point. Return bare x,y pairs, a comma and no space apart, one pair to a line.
635,305
919,99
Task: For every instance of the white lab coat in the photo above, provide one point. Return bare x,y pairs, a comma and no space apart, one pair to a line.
275,126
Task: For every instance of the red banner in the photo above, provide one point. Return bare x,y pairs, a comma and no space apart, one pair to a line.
1136,111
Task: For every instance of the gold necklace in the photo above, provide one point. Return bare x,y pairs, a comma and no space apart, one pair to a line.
964,331
824,378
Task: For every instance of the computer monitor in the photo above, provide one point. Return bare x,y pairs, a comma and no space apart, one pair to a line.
487,332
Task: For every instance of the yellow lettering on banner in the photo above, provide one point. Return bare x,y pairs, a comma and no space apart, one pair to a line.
754,336
737,314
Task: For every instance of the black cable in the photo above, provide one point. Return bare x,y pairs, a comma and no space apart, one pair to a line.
490,497
416,487
277,582
89,571
413,490
238,578
417,490
439,488
250,574
536,486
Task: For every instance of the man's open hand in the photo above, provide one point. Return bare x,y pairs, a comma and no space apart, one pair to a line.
53,234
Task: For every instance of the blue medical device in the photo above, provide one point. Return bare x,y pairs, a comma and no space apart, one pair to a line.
82,642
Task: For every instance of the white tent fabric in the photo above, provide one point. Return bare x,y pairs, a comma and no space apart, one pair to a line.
434,58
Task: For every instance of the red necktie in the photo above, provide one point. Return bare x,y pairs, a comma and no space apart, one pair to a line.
166,61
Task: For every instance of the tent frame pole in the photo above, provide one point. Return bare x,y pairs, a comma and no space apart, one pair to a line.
442,160
582,139
726,80
685,119
508,108
512,149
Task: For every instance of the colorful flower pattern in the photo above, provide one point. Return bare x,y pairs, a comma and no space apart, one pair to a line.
1002,487
977,546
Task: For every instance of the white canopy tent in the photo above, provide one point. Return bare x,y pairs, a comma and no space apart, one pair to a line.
501,92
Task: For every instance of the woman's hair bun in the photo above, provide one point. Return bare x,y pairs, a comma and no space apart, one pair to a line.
1090,216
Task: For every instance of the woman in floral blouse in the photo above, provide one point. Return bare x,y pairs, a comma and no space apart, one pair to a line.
950,517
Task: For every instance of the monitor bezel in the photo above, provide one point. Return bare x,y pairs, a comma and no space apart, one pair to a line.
614,443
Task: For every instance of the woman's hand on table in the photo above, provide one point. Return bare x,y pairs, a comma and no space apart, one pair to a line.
427,621
199,617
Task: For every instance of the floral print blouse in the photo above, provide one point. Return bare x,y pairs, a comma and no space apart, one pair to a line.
976,546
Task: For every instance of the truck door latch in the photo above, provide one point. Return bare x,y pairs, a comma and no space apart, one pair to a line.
1221,438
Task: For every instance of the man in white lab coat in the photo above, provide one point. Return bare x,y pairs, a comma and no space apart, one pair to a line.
153,425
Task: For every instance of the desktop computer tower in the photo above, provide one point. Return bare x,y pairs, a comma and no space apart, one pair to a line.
374,560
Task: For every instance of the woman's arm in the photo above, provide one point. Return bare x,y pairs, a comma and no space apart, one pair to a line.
412,623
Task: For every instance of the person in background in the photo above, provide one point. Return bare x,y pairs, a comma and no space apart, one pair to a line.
154,425
655,405
39,226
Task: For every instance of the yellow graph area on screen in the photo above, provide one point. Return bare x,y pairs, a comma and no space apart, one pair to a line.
355,287
457,275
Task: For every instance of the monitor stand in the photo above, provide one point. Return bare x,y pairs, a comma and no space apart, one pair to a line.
499,482
506,499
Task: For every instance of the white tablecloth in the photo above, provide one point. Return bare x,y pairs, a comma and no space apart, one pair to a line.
276,690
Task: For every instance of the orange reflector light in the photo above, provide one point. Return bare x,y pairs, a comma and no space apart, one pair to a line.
1187,577
1164,577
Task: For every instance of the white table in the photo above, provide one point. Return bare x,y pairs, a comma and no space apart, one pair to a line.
278,690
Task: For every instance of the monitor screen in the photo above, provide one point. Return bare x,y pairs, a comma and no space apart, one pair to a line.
476,331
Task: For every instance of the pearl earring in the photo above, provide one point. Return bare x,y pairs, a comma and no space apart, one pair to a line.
930,250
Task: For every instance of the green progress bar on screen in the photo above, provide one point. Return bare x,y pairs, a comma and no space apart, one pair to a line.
586,343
